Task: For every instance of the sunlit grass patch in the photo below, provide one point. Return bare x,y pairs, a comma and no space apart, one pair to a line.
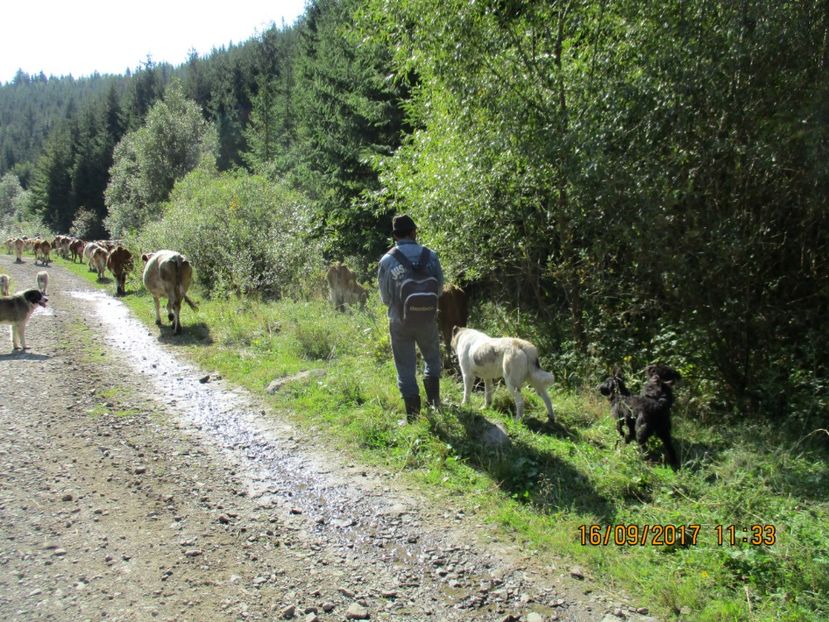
550,481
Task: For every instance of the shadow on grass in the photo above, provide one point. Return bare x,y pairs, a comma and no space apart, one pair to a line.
197,334
528,475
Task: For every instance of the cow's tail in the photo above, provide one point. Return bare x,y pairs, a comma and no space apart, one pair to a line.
192,304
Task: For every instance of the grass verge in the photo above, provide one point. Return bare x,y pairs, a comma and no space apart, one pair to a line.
740,533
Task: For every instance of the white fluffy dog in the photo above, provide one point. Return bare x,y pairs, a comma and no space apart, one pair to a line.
514,360
42,281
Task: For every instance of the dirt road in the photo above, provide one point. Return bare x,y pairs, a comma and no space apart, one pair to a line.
136,487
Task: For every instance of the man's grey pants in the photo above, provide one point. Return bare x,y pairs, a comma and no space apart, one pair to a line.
403,341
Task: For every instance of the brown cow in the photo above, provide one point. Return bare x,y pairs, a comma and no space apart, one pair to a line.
42,251
119,262
18,250
98,261
76,248
453,310
343,288
168,273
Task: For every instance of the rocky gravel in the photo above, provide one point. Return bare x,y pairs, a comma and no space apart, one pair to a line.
138,487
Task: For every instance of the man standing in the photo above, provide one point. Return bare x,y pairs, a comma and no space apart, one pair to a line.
411,279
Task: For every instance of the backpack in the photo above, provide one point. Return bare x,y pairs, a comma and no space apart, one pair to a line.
417,291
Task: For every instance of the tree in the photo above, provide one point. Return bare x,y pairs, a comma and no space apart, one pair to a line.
10,192
349,114
650,176
147,162
52,183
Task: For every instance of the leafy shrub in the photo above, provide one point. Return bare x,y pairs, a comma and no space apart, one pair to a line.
244,234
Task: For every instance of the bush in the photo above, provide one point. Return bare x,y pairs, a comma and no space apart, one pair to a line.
244,234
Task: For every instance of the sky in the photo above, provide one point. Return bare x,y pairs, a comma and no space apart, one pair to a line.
80,37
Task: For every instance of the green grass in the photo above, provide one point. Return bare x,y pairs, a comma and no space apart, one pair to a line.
553,482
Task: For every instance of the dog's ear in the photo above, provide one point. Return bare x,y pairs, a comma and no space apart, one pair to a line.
455,329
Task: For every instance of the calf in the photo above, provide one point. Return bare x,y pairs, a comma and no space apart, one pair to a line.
343,288
168,274
18,250
4,284
453,310
119,262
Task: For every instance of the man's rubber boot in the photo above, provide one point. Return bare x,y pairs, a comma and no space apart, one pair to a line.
412,407
432,386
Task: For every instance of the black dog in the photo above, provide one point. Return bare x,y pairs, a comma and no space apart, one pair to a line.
646,414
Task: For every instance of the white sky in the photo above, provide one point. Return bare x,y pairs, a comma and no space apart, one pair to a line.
79,37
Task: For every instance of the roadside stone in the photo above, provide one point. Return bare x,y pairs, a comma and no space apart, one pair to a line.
577,572
356,611
278,383
535,617
289,612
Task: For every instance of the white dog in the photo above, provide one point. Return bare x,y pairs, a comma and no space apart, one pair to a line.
514,360
4,284
42,281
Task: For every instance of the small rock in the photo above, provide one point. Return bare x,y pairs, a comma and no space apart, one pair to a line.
312,617
140,470
192,553
328,606
576,572
356,611
345,592
643,611
67,497
288,612
535,617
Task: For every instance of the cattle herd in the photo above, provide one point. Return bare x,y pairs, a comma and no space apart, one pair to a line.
168,274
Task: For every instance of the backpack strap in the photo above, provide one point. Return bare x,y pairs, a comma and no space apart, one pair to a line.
425,255
400,256
422,261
